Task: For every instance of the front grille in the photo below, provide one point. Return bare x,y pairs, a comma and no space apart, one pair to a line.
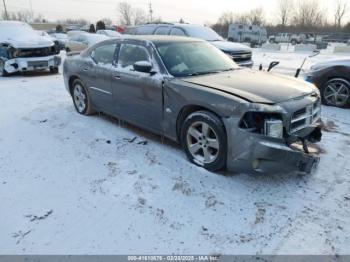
38,64
305,117
35,52
240,56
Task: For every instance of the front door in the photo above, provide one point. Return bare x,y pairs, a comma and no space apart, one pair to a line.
137,95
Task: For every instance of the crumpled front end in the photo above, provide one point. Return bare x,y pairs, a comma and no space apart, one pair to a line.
275,138
26,64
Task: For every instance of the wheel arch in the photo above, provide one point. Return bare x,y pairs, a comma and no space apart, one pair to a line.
71,81
188,110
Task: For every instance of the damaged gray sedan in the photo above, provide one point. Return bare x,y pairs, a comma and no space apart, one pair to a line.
223,115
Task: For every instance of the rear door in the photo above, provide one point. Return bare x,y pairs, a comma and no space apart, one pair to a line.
162,30
177,31
137,95
98,71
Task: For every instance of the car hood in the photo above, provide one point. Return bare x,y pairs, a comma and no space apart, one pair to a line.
255,86
27,41
229,46
329,63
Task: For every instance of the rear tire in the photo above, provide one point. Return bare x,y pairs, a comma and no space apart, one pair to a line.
3,72
204,140
336,92
81,98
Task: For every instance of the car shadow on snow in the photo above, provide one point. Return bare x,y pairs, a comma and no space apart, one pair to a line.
146,136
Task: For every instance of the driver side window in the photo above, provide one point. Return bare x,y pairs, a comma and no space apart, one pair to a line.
129,54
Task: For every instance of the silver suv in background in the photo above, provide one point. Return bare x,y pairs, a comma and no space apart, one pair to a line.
241,54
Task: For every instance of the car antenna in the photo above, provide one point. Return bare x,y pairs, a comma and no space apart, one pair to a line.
315,53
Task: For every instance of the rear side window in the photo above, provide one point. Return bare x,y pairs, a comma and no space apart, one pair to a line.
104,54
177,31
145,30
130,54
162,30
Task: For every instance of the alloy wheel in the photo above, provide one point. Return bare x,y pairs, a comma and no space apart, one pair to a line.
337,93
79,98
203,142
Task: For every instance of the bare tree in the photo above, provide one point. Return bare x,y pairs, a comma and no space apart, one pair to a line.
224,22
139,16
242,18
285,9
340,12
107,21
256,16
309,14
125,13
70,21
24,16
129,15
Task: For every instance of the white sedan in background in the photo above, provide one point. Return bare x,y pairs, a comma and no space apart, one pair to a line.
79,42
109,33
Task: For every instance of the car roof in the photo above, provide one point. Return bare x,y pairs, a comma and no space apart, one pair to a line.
162,38
184,25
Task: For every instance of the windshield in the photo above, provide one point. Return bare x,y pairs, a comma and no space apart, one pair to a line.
194,58
203,32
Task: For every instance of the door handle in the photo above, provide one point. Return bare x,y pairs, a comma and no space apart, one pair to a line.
117,77
86,69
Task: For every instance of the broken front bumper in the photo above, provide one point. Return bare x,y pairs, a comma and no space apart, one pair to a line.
31,64
254,153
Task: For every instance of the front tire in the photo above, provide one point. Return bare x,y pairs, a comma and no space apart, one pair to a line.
54,70
204,140
336,92
81,98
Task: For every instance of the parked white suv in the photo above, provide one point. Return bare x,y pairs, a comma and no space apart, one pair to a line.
22,49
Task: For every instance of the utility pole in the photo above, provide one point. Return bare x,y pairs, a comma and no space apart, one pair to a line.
150,12
6,14
31,9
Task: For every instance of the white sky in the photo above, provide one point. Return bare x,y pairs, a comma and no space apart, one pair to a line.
192,11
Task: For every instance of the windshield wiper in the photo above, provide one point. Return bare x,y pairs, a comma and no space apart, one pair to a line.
203,73
229,69
210,72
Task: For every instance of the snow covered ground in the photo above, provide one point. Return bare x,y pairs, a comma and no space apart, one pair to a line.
91,185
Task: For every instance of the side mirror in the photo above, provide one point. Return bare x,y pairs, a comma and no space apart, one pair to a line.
143,67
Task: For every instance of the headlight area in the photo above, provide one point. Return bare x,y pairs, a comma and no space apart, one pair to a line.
263,123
